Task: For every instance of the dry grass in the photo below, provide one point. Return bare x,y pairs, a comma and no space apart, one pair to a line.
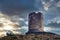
32,37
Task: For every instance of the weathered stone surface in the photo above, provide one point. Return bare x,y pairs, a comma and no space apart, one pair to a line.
35,22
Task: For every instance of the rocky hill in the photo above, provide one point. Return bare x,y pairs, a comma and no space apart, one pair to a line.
33,36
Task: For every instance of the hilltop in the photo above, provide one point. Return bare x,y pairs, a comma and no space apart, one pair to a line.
33,36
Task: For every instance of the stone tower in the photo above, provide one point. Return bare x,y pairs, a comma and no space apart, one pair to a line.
35,22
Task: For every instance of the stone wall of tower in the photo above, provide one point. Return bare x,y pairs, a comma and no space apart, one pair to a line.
35,22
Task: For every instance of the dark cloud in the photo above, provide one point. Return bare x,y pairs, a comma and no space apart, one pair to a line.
12,7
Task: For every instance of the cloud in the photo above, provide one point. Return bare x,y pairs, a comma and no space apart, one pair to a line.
56,31
47,4
14,23
55,20
18,7
22,30
54,23
58,4
19,20
47,29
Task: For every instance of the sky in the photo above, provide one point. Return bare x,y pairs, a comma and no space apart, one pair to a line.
18,11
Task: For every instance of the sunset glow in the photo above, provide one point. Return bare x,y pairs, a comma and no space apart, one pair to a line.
7,25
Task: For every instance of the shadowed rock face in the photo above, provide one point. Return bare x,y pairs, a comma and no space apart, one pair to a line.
35,22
